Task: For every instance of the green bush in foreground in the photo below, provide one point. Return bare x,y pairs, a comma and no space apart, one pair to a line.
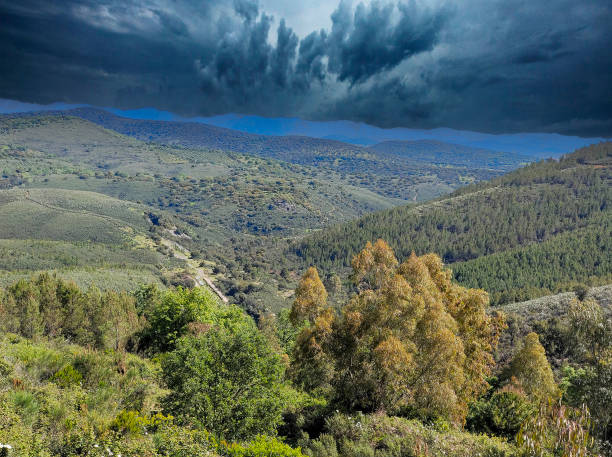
382,436
228,383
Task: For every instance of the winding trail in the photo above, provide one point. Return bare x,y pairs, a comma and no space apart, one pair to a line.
179,251
200,277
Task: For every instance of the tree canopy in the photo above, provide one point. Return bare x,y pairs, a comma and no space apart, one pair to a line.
411,340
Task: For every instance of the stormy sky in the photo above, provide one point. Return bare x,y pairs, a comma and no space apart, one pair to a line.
485,65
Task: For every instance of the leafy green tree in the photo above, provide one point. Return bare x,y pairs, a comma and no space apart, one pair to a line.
590,330
592,386
168,314
228,382
122,320
501,414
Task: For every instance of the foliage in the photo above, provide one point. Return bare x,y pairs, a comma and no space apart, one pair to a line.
310,298
49,306
382,436
557,430
501,414
591,383
113,408
590,330
169,313
532,371
227,382
409,341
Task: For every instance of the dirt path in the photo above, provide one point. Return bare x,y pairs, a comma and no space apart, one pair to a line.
180,252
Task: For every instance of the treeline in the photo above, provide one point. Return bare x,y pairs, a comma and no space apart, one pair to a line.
48,306
528,206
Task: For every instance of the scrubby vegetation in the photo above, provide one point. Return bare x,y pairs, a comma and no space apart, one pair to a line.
408,366
405,176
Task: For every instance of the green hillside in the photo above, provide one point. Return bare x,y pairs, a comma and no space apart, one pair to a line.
539,227
381,171
85,236
81,194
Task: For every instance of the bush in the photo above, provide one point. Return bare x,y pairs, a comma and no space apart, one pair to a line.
261,446
500,415
383,436
228,382
67,376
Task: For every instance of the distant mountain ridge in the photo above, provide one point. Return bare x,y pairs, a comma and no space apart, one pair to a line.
386,173
440,152
538,145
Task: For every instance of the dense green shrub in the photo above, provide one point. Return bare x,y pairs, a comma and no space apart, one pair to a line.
226,382
67,376
169,313
502,414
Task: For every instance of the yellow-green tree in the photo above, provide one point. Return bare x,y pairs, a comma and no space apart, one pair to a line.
532,371
409,340
310,298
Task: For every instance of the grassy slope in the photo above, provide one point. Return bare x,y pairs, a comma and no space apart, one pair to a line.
80,234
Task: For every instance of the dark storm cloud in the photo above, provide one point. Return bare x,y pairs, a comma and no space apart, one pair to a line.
495,65
371,40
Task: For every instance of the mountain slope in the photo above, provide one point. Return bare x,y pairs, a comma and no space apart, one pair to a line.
531,208
386,173
77,192
441,153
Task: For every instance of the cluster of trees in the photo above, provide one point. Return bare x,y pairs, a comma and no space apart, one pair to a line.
47,306
558,264
409,342
405,364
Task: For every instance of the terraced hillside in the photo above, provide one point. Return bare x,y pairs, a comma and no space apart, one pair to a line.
535,230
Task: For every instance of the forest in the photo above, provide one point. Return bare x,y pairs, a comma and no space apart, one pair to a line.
493,231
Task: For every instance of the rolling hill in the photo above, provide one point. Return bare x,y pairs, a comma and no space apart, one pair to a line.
387,173
538,229
74,195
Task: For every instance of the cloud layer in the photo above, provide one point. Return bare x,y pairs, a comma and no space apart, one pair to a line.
489,65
